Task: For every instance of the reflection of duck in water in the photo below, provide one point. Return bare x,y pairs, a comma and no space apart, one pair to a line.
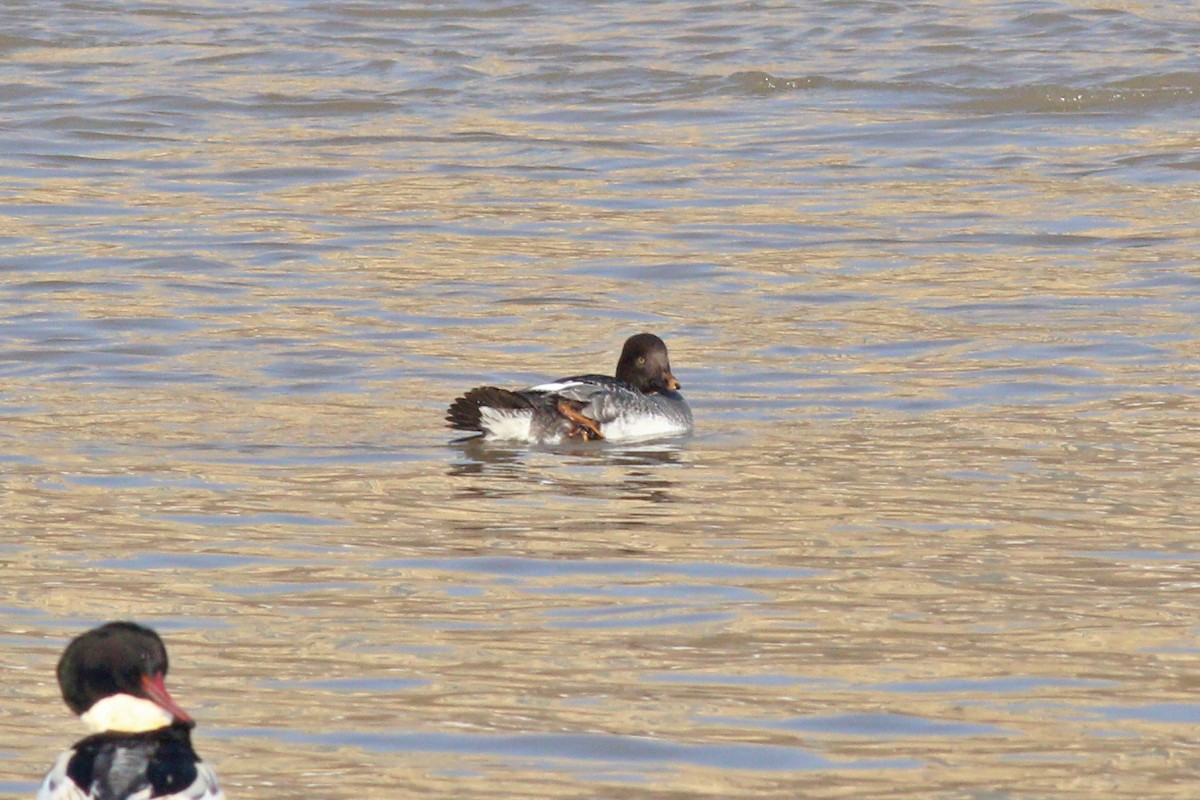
141,745
641,402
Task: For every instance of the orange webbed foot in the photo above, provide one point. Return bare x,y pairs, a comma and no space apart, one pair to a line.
585,427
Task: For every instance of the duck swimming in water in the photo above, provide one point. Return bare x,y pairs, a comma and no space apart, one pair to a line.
642,401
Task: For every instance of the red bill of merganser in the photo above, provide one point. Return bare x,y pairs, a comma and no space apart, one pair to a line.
140,747
641,402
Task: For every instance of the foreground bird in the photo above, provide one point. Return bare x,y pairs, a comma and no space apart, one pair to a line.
140,747
641,402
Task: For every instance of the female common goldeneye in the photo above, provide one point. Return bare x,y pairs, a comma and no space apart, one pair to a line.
140,747
641,402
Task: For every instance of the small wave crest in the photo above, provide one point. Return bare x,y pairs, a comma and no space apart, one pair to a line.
763,83
1148,93
1145,93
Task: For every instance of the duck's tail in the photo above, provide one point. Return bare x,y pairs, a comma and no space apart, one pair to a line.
466,413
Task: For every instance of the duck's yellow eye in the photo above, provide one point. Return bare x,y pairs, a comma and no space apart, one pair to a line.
641,360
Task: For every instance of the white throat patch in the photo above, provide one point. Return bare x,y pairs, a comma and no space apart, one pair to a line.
125,713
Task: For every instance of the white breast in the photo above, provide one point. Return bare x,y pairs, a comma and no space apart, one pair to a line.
643,427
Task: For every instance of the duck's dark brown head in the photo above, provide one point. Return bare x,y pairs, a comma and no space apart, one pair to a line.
645,366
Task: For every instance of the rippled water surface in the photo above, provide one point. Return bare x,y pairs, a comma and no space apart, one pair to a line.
928,274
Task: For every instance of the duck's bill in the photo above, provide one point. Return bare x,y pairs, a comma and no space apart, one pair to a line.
156,690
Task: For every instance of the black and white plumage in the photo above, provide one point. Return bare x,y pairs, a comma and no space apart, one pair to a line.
141,747
133,766
641,402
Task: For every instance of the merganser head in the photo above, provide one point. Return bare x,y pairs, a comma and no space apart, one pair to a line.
112,677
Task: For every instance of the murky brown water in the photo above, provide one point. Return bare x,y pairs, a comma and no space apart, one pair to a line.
929,278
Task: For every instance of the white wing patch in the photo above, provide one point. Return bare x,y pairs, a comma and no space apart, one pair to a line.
204,787
57,786
555,387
